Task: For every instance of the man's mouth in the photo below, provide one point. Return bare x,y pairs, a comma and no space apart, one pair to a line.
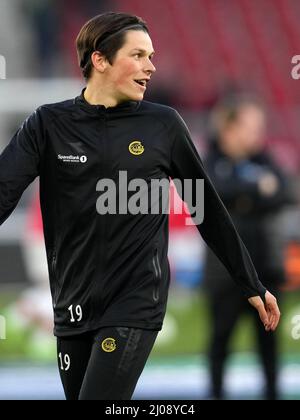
142,82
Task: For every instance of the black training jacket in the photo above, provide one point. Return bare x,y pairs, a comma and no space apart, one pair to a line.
111,270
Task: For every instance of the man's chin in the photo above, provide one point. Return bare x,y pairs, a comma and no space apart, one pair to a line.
137,97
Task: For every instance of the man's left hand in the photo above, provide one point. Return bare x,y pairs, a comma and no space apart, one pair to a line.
269,312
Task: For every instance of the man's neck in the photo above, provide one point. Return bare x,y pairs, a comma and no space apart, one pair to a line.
96,96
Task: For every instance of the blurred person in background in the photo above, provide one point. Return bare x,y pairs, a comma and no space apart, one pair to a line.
35,303
30,316
54,24
109,273
254,190
45,19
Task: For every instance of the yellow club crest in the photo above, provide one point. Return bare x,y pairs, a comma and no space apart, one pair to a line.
136,148
109,345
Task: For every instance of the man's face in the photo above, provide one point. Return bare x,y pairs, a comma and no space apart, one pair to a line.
132,68
245,136
251,125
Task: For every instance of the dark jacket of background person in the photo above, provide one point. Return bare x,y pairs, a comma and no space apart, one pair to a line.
254,191
255,214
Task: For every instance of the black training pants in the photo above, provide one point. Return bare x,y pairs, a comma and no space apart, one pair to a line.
103,365
226,310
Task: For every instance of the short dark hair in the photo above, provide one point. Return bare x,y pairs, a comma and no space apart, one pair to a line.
228,110
105,33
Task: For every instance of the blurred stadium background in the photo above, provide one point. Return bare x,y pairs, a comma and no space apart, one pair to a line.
205,49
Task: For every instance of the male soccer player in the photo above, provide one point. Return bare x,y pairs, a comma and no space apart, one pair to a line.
109,273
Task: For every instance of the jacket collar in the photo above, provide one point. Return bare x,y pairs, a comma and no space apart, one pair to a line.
127,106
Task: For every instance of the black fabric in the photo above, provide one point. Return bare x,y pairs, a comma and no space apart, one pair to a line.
91,373
112,269
226,309
256,216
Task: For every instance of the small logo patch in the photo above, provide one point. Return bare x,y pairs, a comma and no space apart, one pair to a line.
136,148
72,159
83,159
109,345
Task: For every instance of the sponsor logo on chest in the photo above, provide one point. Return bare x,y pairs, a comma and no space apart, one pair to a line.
72,159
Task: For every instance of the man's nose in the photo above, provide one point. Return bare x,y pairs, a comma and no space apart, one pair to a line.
150,68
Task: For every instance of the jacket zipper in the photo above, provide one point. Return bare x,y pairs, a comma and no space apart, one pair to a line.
53,269
157,270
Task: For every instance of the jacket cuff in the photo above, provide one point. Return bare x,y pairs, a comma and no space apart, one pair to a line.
261,292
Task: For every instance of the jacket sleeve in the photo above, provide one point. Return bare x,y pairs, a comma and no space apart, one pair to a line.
231,186
284,194
234,186
217,228
19,165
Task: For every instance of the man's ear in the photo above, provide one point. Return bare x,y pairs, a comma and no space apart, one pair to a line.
100,62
